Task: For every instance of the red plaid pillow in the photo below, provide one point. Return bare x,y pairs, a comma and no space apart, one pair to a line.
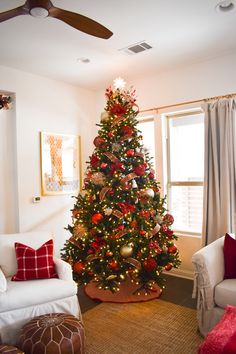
34,264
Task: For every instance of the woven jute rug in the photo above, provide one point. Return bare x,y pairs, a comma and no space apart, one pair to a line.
154,327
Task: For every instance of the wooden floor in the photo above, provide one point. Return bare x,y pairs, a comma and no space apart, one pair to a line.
177,290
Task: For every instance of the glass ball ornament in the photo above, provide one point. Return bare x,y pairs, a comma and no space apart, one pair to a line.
105,117
149,193
126,251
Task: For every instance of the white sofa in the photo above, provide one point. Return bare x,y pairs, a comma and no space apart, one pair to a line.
20,301
212,291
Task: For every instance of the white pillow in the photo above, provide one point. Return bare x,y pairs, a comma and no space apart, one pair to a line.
3,282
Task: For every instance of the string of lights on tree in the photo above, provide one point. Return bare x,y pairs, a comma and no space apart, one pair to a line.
120,226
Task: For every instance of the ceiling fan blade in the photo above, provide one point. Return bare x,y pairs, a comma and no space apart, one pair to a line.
80,22
22,10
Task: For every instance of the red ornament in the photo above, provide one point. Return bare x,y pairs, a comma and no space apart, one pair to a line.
168,266
120,227
96,218
140,170
145,214
154,245
109,253
113,264
150,264
126,186
163,228
142,232
98,141
151,175
79,267
172,249
126,207
94,160
134,224
110,134
103,146
118,110
103,165
130,152
127,130
169,233
168,219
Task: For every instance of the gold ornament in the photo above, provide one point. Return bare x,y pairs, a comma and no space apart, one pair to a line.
98,178
116,147
105,116
108,211
79,230
158,218
126,251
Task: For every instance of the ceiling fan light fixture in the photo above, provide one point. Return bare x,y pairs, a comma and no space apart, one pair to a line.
83,60
225,6
39,12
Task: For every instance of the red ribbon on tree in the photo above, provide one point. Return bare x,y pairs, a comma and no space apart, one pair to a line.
128,177
117,213
111,157
103,192
134,262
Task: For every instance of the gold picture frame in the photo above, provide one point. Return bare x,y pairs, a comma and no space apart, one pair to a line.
60,163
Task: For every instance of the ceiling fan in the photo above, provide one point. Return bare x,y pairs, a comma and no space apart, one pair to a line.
45,8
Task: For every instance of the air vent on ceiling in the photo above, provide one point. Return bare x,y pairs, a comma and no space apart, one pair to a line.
137,48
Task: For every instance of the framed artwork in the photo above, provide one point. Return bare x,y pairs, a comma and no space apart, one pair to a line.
60,163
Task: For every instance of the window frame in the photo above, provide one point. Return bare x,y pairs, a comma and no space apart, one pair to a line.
169,183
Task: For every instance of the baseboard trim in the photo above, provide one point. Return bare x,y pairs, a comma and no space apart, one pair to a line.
182,273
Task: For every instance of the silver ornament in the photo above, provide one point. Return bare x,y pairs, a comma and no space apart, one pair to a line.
149,193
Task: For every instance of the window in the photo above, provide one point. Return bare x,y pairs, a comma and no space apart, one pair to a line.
146,126
185,169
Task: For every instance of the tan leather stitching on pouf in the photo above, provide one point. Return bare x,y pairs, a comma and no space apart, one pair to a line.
55,333
8,349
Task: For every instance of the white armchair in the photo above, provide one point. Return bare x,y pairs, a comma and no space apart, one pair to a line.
212,291
20,301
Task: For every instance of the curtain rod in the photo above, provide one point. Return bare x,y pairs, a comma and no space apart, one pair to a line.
189,102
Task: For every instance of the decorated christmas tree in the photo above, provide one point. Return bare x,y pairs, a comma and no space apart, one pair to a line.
120,226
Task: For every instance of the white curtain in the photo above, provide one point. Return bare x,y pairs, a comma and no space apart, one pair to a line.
220,169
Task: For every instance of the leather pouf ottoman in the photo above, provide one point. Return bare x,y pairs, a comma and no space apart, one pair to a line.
8,349
54,333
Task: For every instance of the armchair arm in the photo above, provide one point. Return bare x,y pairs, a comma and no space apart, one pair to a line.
63,269
3,282
209,271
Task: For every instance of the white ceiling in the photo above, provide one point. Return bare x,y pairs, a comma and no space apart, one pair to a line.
181,32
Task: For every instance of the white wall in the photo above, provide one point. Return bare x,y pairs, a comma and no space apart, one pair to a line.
8,172
44,105
197,81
